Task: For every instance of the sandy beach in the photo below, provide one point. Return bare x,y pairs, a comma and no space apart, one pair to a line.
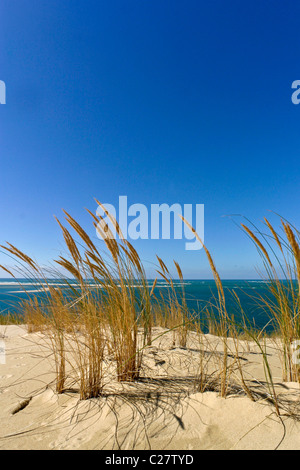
161,411
150,227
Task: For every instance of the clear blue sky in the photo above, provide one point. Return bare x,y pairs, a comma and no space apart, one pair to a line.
162,101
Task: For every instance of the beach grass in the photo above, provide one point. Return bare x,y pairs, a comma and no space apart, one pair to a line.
109,315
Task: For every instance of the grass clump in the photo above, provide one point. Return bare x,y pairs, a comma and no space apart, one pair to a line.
280,253
101,316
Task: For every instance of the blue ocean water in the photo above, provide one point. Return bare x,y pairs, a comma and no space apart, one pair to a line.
198,293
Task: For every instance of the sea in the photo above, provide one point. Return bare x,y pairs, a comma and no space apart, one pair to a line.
198,293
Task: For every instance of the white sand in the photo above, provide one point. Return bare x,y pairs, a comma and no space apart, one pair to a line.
157,416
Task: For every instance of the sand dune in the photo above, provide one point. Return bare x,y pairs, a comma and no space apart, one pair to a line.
163,410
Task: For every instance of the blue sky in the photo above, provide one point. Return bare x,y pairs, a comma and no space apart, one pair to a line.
162,101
